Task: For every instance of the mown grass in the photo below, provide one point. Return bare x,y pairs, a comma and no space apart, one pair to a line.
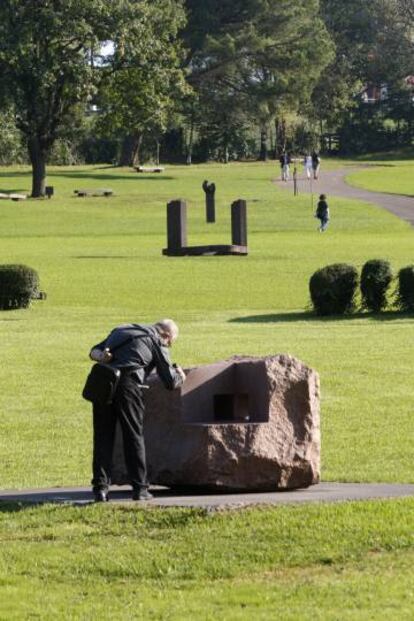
351,561
393,177
100,263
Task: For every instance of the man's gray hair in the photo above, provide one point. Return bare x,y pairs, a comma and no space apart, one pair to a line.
167,327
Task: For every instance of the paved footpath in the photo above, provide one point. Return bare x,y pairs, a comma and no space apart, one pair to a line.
163,497
332,183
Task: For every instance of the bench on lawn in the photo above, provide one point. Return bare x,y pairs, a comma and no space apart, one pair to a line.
149,169
13,196
99,192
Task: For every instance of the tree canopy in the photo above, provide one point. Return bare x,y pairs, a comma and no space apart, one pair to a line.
141,91
214,71
267,53
50,60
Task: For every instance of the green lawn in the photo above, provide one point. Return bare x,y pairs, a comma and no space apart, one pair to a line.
100,263
338,561
396,177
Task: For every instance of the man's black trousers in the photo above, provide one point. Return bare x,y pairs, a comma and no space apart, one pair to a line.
127,408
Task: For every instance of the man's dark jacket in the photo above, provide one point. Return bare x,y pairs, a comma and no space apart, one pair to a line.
141,354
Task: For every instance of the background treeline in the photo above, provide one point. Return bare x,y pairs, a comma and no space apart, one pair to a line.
124,81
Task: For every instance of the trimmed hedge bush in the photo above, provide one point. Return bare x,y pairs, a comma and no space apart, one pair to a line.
405,293
18,285
376,277
333,288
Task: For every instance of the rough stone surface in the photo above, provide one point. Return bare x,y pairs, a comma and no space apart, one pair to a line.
267,437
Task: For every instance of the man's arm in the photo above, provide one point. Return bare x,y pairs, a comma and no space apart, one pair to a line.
171,375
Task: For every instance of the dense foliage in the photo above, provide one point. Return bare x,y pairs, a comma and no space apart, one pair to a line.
51,62
376,277
210,80
405,293
19,284
333,289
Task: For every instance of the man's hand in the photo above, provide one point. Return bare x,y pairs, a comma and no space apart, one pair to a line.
101,356
106,355
180,372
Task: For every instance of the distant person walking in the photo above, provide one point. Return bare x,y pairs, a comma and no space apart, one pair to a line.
322,213
316,164
285,166
308,165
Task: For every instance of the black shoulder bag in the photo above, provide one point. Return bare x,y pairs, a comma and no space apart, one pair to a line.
103,379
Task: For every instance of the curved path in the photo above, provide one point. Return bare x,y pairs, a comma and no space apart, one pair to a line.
332,183
164,497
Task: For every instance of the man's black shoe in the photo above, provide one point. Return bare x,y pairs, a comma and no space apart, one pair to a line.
101,496
141,494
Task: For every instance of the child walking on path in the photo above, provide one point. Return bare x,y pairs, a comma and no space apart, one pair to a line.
322,213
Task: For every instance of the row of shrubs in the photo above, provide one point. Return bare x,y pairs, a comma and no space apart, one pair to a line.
333,288
19,285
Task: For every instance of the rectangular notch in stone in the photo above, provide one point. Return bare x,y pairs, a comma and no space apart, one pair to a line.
226,392
231,407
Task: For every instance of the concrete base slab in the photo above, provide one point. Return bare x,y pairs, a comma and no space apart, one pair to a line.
164,497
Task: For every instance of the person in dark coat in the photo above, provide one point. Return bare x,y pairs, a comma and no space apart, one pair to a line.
322,213
139,350
284,161
316,164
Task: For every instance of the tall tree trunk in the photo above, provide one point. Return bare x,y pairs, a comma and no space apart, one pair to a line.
276,151
280,136
157,154
130,150
38,160
263,144
272,147
189,155
136,155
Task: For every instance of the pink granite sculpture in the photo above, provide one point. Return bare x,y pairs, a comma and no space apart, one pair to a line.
243,424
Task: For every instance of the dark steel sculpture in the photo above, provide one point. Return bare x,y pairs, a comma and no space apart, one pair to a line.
239,223
176,226
177,232
210,190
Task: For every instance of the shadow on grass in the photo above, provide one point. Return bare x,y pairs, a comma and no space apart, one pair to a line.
89,175
15,173
12,191
14,507
403,154
104,256
311,316
124,177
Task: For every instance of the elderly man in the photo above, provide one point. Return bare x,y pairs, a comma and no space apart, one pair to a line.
137,350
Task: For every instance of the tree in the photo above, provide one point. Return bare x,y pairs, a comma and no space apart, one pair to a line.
11,149
373,47
406,8
141,93
50,62
223,125
268,53
44,47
